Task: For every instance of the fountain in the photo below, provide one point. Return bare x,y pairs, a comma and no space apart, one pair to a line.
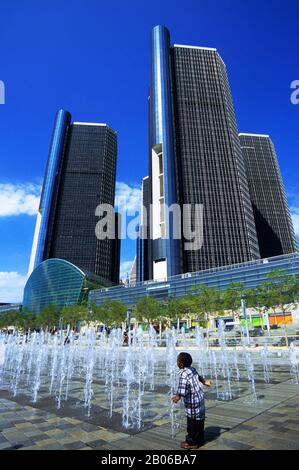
183,339
224,362
89,364
265,359
215,372
202,352
250,373
43,364
294,363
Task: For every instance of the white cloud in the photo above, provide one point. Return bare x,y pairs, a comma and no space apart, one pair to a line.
11,286
293,197
127,198
295,218
17,199
125,269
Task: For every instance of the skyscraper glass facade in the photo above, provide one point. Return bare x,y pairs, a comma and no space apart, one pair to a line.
144,233
87,180
56,282
251,273
271,213
80,176
211,169
195,159
50,187
165,249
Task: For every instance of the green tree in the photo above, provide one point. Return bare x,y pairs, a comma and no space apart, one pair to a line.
278,293
188,308
256,299
96,313
48,317
12,318
115,312
73,314
207,302
173,309
232,297
148,309
282,289
28,320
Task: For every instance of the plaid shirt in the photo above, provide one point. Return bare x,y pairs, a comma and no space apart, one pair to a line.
190,389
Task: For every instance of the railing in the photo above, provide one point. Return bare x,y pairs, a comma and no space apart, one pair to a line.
261,341
257,337
267,261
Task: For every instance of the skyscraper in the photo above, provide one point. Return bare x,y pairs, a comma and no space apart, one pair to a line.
133,273
195,158
270,208
80,175
142,240
164,248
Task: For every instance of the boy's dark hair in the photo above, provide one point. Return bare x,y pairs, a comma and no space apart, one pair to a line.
185,359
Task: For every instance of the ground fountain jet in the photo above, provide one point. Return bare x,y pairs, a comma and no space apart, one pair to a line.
40,364
265,359
294,363
129,378
89,365
225,364
202,356
171,373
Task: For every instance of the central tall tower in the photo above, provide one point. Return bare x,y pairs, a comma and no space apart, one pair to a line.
165,250
195,158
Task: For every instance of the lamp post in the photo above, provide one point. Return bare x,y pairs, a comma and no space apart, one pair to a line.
265,313
60,327
207,329
129,314
244,313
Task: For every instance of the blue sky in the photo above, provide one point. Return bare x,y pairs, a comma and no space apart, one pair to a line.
91,57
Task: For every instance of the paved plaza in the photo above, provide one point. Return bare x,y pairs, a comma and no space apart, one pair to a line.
270,423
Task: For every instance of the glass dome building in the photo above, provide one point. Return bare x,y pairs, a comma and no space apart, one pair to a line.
58,282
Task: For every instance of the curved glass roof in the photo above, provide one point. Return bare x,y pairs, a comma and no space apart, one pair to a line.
54,281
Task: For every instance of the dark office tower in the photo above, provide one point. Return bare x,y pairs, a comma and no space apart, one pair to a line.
115,261
142,240
270,208
196,158
80,175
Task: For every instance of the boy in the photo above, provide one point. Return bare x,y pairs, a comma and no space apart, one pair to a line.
190,390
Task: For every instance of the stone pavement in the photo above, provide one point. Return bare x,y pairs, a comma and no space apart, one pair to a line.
271,423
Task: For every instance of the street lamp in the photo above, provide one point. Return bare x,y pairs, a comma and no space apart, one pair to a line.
265,314
129,315
244,312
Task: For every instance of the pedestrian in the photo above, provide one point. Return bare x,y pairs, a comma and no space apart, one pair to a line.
191,391
125,339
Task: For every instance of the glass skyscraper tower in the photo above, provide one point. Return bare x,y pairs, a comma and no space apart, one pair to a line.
195,158
142,240
80,175
270,208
